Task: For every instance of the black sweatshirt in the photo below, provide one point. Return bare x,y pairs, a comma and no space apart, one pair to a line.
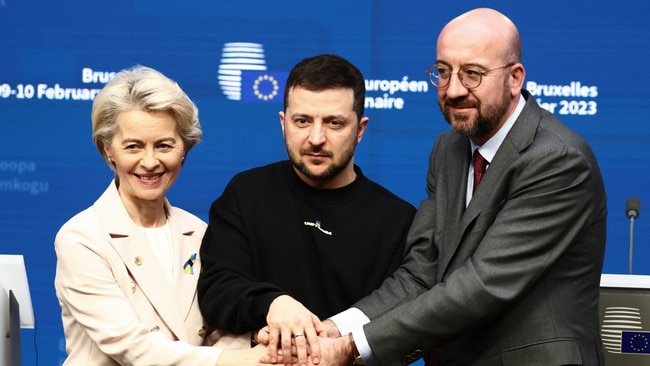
271,234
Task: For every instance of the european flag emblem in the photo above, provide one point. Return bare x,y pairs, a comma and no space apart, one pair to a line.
263,86
188,266
635,342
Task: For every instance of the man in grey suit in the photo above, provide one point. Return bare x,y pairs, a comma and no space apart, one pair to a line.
509,274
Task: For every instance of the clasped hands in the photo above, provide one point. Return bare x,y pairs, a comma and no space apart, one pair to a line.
295,336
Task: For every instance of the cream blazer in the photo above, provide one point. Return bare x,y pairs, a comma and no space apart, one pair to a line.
117,306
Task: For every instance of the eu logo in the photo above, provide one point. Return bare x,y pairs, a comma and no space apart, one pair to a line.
263,86
635,342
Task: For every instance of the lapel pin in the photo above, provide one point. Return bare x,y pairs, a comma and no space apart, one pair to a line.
138,261
188,266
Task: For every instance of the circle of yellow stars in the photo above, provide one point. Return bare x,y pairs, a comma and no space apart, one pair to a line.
639,342
266,78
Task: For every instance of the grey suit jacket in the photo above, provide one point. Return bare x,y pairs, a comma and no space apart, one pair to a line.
513,279
118,307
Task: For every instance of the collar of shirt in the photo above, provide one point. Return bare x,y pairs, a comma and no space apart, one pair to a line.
490,147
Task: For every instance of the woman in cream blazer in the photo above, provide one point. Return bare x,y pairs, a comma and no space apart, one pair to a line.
128,265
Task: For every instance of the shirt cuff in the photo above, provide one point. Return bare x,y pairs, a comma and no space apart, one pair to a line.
352,320
363,347
349,319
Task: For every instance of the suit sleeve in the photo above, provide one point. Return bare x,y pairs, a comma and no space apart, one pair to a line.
419,264
230,297
518,240
90,294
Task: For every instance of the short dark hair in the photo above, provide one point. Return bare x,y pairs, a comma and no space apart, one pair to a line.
328,72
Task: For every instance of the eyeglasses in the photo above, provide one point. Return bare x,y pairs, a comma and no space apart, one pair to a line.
469,76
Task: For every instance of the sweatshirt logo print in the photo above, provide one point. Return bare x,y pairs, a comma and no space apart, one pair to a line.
317,225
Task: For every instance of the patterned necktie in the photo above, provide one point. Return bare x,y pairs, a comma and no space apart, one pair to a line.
480,164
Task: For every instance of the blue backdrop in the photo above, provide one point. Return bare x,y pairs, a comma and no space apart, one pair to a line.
586,61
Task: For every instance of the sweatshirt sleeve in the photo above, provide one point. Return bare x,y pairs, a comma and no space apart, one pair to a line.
230,297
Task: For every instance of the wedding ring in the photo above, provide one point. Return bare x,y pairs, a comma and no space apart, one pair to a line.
298,335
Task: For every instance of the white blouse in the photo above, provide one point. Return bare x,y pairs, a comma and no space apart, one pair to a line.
160,240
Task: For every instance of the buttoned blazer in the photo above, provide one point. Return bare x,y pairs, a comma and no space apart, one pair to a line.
118,306
511,279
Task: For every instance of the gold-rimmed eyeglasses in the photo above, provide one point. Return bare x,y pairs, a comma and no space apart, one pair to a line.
469,76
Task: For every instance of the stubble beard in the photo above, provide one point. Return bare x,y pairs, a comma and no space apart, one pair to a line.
483,124
332,171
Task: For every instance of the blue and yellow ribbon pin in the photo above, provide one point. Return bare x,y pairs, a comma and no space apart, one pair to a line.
188,267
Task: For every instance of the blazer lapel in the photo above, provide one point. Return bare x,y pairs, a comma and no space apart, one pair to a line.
460,219
187,266
502,160
454,173
145,268
136,253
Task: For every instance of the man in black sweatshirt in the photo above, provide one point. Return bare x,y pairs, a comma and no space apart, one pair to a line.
311,232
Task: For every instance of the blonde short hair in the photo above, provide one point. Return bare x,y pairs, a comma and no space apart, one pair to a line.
142,88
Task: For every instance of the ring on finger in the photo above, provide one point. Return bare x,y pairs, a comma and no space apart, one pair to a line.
296,335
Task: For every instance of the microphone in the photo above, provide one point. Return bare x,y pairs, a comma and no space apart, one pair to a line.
632,207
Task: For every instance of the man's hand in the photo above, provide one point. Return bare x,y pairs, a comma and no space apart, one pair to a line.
334,352
331,330
291,324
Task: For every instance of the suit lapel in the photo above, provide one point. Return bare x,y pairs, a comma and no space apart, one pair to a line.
145,268
504,157
460,219
454,173
136,253
187,267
